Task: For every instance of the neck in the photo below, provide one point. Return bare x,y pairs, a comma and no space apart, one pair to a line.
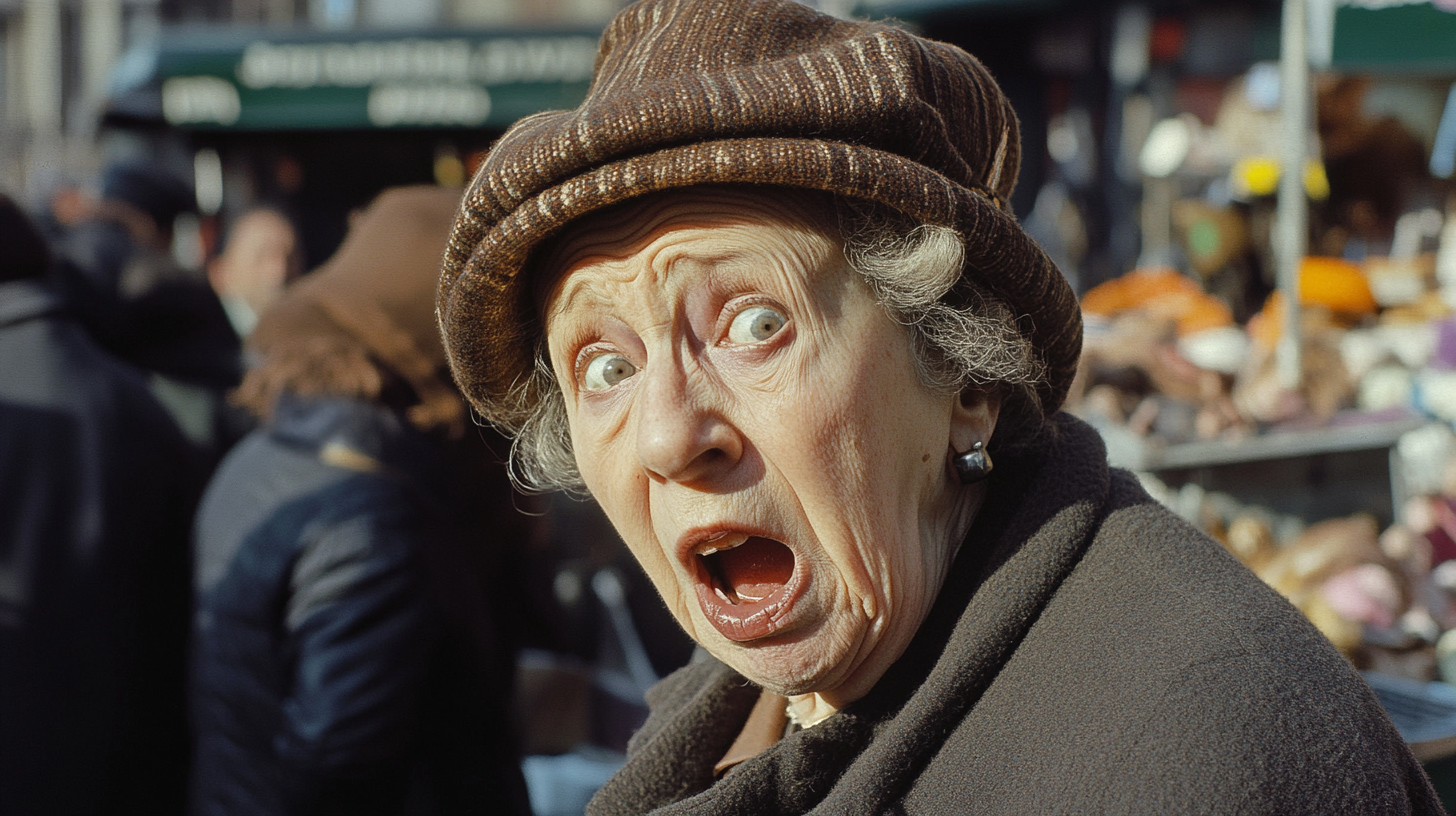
808,710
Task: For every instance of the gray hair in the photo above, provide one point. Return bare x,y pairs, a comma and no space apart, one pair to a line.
961,339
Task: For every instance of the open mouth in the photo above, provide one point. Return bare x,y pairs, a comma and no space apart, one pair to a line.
746,584
750,571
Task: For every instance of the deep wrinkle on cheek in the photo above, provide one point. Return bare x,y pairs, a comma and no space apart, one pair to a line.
625,497
869,565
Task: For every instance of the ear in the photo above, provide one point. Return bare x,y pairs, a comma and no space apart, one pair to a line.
973,419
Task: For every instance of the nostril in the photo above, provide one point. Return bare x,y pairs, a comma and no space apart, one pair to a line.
715,459
713,456
687,448
694,468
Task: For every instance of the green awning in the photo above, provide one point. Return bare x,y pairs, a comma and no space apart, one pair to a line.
1406,36
211,79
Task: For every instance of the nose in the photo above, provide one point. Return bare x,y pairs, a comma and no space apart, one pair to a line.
681,435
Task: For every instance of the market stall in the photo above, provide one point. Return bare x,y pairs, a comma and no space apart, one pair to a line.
317,122
1281,365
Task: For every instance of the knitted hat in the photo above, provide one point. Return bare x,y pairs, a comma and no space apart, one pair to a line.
691,92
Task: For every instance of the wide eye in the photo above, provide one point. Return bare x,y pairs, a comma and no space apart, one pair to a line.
755,324
606,370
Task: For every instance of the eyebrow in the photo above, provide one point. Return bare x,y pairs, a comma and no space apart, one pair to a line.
715,264
566,299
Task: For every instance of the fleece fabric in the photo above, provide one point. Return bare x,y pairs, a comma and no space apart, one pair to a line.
1090,653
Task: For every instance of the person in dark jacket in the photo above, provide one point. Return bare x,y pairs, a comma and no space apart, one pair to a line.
762,296
353,557
146,308
97,489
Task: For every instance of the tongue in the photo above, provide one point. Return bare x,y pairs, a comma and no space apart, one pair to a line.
755,568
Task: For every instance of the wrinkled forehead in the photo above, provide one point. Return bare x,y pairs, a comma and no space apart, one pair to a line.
804,218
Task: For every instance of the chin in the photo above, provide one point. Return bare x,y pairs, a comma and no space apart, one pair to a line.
791,664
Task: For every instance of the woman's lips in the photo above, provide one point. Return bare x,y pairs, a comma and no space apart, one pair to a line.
747,585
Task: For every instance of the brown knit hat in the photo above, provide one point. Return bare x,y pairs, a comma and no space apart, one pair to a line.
691,92
371,303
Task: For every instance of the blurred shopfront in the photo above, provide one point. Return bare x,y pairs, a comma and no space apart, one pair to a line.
317,122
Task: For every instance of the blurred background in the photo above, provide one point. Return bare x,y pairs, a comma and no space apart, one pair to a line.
1254,199
274,100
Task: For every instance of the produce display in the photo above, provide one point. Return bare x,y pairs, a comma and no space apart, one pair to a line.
1188,350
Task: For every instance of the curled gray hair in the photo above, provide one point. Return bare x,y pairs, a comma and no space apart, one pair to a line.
961,338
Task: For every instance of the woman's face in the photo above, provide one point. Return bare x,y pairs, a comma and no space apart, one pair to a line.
751,421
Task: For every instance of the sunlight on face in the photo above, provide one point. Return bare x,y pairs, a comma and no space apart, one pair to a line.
751,421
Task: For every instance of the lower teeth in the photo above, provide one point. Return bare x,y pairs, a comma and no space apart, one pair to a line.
735,598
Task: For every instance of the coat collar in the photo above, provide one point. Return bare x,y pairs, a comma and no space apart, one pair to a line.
1036,524
338,428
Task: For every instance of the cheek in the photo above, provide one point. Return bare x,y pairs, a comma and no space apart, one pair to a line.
873,466
872,429
619,492
622,493
277,273
826,459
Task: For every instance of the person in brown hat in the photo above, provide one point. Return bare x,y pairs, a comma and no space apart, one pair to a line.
353,556
761,296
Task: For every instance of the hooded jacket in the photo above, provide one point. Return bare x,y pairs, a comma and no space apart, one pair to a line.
1090,652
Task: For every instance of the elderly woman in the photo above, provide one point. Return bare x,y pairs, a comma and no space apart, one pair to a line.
762,298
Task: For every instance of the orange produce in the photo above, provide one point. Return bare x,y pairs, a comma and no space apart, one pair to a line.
1266,327
1336,284
1162,293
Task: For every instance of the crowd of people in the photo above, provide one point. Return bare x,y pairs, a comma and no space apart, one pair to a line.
266,588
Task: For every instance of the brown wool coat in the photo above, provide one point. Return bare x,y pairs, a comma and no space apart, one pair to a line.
1090,653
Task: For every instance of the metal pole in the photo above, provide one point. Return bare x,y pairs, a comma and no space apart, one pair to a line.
42,22
1292,213
40,79
101,39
